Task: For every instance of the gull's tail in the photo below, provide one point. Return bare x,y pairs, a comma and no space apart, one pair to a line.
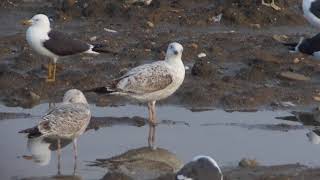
291,46
101,90
100,48
32,132
294,47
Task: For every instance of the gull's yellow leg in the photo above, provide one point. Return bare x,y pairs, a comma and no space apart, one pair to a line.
51,72
272,4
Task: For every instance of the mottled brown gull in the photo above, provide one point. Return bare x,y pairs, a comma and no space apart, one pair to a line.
66,121
150,83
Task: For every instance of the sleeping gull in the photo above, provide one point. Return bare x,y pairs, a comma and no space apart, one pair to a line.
150,83
309,46
311,11
201,167
54,44
66,121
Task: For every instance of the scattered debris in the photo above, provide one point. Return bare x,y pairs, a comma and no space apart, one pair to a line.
110,30
202,55
294,76
248,163
280,38
150,24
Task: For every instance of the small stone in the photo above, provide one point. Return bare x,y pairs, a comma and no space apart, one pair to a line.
150,24
186,68
248,163
280,38
147,50
202,55
296,60
34,97
93,38
294,76
316,98
258,26
194,46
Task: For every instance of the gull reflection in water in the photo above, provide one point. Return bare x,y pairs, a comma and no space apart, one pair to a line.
41,148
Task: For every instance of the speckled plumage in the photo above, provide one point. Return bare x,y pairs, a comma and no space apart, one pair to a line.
67,120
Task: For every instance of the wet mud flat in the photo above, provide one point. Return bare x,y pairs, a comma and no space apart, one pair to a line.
247,145
246,67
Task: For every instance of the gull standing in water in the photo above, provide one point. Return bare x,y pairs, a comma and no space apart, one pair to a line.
66,121
55,44
150,83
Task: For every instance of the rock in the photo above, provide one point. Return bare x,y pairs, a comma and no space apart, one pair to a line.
35,98
194,46
150,24
202,55
294,76
296,60
280,38
203,68
248,163
93,38
142,162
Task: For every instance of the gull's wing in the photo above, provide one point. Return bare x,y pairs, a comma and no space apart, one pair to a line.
311,45
146,78
63,45
315,8
65,120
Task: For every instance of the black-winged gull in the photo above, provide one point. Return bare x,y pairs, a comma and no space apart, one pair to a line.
150,83
66,121
311,11
309,46
54,44
201,167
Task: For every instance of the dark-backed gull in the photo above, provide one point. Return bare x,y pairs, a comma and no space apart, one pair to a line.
54,44
309,46
201,167
311,11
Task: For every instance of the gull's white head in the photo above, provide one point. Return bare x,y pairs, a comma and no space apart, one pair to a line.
313,137
174,51
39,20
74,96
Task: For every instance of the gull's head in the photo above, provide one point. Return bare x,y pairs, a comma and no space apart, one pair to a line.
174,51
74,96
38,20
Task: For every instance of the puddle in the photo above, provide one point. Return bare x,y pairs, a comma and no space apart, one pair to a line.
228,137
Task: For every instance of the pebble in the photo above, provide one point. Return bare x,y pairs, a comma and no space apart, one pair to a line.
194,46
294,76
110,30
248,163
296,60
93,38
150,24
202,55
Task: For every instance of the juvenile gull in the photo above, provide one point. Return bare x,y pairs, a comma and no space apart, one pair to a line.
201,167
309,46
66,121
311,11
150,83
55,44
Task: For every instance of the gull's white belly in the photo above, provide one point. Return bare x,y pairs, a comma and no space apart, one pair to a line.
35,39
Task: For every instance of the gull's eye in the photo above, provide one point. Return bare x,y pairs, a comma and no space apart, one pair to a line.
171,47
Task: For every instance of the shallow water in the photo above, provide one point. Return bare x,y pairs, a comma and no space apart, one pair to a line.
227,137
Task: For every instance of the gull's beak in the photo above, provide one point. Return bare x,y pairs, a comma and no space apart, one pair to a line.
26,22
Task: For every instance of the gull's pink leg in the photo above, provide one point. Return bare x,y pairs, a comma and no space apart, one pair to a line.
59,155
75,152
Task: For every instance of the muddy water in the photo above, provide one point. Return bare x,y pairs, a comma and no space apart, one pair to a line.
228,137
